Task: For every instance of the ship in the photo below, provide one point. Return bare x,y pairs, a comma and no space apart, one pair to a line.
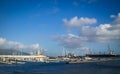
102,55
105,55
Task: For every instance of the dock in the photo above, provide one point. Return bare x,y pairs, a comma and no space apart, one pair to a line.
22,58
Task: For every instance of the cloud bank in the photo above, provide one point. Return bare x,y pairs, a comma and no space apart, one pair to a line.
6,44
70,40
103,33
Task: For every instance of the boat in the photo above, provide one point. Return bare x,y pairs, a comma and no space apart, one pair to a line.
102,55
105,55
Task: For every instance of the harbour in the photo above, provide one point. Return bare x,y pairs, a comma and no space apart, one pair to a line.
68,59
69,63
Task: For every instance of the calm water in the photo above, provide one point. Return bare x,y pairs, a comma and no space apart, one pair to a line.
112,67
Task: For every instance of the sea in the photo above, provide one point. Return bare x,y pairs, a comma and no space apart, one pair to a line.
108,67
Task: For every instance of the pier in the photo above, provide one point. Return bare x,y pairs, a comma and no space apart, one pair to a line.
25,58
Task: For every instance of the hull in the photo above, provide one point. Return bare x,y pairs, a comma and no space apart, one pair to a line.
102,55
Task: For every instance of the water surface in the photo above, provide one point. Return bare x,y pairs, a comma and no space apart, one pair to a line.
112,67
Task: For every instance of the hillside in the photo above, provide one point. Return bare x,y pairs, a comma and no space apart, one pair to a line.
10,52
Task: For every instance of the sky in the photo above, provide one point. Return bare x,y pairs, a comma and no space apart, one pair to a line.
79,26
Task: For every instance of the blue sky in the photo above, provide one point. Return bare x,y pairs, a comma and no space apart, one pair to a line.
43,22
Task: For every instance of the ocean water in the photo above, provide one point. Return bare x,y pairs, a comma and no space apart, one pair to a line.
112,67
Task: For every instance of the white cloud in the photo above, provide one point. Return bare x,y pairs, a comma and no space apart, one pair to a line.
70,41
104,33
116,23
6,44
77,22
98,34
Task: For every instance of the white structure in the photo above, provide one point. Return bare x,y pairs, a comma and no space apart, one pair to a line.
33,58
